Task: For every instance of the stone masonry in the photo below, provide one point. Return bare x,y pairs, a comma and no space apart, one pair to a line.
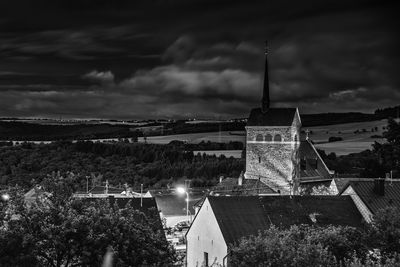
272,155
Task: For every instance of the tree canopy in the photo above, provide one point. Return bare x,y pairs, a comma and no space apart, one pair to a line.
59,231
375,245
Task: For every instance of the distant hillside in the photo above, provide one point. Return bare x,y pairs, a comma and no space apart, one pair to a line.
320,119
37,132
309,120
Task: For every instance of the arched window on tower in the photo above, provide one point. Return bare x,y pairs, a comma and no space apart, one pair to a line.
295,138
278,138
259,137
268,138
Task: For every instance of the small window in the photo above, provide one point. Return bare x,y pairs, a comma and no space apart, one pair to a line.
268,138
278,138
259,159
205,259
259,137
295,137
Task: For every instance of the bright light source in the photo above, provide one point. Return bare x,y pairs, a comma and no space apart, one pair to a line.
5,197
180,190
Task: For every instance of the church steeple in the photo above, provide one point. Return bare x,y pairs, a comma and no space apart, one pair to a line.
265,99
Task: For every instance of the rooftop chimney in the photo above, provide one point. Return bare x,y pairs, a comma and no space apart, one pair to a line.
379,186
265,99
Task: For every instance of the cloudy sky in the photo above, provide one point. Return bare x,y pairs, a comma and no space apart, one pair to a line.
192,58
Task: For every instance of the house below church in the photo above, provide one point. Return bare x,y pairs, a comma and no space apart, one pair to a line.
221,221
371,195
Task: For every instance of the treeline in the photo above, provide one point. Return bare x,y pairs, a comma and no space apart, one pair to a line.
40,132
181,127
232,145
119,163
393,112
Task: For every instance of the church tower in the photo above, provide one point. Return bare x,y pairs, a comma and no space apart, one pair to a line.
272,143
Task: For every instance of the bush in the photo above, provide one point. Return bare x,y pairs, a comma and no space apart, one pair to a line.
276,247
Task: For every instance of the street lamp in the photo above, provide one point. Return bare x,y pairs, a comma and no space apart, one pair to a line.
5,197
182,190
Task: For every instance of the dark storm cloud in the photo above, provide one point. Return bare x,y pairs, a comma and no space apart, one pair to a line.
194,58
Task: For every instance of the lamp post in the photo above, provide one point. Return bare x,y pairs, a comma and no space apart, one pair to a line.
182,190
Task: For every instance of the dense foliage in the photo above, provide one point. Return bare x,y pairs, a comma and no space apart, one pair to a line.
376,245
59,231
232,145
119,163
300,246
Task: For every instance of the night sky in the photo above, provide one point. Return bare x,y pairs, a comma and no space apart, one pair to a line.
187,58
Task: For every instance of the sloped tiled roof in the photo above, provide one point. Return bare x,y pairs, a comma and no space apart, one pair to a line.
341,183
229,186
375,202
273,117
241,216
308,152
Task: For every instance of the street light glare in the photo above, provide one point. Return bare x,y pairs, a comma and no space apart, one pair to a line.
5,197
180,190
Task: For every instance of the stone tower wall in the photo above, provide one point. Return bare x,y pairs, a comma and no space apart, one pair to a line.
274,162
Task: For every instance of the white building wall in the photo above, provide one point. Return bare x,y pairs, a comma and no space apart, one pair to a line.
362,208
205,236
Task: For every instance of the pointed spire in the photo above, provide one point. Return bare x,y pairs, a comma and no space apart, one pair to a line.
265,99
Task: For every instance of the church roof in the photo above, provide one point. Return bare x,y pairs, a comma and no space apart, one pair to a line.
308,153
273,117
241,216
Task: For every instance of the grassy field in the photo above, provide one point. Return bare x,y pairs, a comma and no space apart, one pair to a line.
352,142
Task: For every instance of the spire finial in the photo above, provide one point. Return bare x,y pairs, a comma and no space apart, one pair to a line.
265,99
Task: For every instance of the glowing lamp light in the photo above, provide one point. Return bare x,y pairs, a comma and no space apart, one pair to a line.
5,197
180,190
